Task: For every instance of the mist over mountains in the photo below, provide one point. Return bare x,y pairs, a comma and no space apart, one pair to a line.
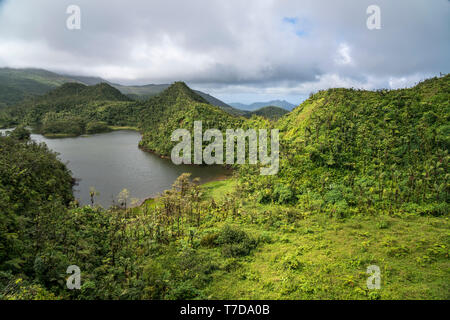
19,84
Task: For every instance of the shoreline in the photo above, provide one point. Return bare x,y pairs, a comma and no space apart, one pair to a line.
219,178
228,174
145,149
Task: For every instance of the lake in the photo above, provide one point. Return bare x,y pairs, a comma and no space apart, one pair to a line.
112,161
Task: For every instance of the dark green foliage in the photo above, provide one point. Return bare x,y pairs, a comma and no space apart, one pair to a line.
96,127
69,109
346,150
270,112
20,133
34,188
177,108
209,240
62,123
235,242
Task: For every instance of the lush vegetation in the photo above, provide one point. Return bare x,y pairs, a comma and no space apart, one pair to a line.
18,84
34,188
270,112
74,109
178,107
363,181
346,151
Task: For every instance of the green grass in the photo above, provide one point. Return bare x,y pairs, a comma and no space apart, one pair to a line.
218,189
314,256
116,128
319,258
59,135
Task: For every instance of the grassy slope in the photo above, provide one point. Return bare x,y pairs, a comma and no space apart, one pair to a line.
303,256
307,254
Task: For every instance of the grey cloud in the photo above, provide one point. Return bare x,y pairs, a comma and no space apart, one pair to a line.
232,45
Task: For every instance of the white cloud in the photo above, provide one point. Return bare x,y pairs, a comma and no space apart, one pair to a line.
268,47
343,55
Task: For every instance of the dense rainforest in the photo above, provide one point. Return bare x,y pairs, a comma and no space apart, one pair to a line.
74,109
363,181
344,151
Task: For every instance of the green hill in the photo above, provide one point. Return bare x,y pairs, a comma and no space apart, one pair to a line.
73,108
178,107
270,112
19,84
16,85
363,182
347,151
80,93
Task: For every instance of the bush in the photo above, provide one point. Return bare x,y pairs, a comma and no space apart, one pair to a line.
184,291
209,240
20,133
96,127
283,194
235,242
63,127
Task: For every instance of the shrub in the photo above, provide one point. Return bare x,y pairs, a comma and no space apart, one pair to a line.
20,133
235,242
96,127
184,291
209,240
283,194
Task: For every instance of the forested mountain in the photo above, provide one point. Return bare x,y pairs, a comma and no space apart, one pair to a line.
363,179
18,84
73,109
346,150
258,105
270,112
178,107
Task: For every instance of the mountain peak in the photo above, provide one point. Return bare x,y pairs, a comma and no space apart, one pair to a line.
180,89
106,92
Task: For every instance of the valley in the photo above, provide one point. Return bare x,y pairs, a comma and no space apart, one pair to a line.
363,180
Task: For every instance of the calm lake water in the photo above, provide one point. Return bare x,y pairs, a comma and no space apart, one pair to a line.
110,162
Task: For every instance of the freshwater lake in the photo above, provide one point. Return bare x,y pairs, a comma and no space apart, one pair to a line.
112,161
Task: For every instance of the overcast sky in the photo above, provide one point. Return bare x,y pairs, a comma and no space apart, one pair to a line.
236,50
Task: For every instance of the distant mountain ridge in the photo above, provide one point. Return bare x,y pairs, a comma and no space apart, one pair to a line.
258,105
18,84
